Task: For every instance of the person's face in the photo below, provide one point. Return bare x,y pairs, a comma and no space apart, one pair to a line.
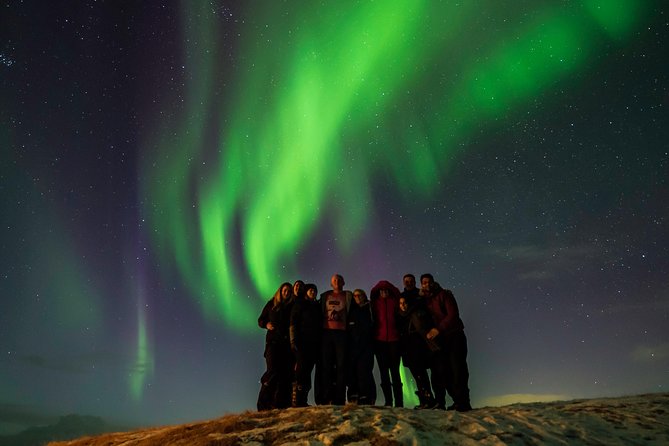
297,287
409,282
311,293
384,293
359,298
426,284
285,292
403,304
337,282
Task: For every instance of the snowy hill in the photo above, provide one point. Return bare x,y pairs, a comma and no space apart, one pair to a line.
642,419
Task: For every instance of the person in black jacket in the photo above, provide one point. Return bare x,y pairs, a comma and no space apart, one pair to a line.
414,322
361,385
411,292
306,324
418,366
275,382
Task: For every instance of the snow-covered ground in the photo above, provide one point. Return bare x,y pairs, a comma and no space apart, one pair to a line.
642,419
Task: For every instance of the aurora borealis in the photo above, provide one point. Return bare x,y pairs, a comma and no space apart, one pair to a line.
165,166
331,88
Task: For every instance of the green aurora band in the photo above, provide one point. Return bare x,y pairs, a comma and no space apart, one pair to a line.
328,92
142,366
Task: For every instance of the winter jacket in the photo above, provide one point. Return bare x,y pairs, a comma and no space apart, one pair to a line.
414,324
444,310
385,312
306,323
412,295
279,316
360,329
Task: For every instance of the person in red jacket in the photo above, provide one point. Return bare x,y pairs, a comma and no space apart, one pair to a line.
385,298
449,365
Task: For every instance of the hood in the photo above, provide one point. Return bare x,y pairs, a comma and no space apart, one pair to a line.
384,284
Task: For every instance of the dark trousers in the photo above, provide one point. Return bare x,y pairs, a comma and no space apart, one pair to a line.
388,358
416,356
306,359
422,379
333,362
361,384
275,383
450,373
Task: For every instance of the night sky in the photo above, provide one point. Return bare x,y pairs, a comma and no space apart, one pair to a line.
164,166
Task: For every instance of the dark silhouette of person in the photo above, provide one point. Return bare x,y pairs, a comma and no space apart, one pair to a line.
275,383
414,322
385,298
418,364
361,384
335,305
449,365
306,325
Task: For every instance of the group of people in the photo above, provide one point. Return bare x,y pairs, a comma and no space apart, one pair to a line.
341,332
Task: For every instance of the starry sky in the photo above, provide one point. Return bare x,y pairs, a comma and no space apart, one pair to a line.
166,165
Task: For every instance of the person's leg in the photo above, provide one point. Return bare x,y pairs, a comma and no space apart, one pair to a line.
302,378
353,384
438,378
340,380
424,390
267,382
285,373
381,353
311,360
394,368
459,372
420,370
368,377
328,361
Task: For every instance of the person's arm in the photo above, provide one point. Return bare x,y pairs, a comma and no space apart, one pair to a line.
263,320
421,321
451,321
295,316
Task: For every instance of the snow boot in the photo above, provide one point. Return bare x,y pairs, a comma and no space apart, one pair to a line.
300,395
426,399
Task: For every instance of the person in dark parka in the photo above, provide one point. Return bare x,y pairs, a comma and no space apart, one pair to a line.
306,325
276,381
361,384
449,365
